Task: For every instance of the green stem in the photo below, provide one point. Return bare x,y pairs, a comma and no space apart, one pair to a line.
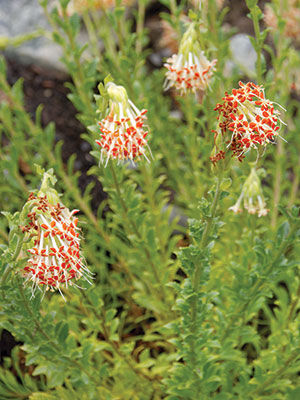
204,240
60,350
162,293
91,32
259,47
190,141
295,184
277,182
294,305
115,346
198,269
4,234
79,78
255,13
14,257
140,25
264,386
173,9
257,287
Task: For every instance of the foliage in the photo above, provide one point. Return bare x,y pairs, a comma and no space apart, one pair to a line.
209,310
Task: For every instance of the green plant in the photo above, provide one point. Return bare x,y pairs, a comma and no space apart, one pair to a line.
208,310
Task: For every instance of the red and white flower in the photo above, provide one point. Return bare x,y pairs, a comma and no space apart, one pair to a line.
247,119
55,259
123,135
189,73
189,70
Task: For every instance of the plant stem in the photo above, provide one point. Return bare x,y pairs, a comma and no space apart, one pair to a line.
91,32
277,182
140,26
135,230
204,240
115,346
59,349
295,185
294,305
255,13
173,9
259,49
79,78
264,386
14,257
259,283
198,269
4,234
127,360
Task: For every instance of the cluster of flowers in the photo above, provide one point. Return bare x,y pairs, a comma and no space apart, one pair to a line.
246,120
55,258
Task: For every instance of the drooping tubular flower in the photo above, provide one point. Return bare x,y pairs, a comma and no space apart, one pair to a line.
123,135
54,258
246,120
251,196
189,70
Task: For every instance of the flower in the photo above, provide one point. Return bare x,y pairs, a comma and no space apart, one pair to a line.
189,70
246,119
55,258
252,196
123,135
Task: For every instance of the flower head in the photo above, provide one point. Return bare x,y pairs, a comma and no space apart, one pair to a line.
122,132
54,253
251,196
246,120
189,70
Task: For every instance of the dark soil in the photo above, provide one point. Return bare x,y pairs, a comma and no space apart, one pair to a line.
47,87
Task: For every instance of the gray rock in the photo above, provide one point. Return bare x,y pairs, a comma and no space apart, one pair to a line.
243,55
19,17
